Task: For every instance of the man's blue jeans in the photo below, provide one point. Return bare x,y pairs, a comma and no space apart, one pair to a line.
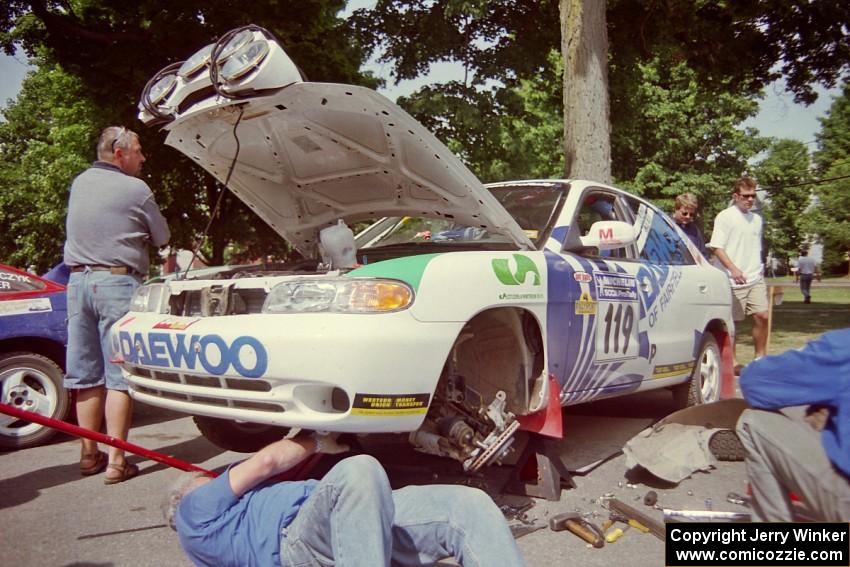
353,518
806,286
96,300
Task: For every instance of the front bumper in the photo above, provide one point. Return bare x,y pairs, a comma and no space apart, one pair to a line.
335,372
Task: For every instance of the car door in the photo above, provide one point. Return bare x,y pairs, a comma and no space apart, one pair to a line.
606,350
671,292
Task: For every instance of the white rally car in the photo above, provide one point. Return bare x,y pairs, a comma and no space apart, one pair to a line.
471,311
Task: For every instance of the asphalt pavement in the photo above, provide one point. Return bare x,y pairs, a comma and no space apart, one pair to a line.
51,516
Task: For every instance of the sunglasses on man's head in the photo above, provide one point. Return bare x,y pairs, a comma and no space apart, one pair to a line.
747,195
687,214
118,137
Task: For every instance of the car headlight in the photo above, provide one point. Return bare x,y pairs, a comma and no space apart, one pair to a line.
343,295
149,298
246,59
161,89
196,62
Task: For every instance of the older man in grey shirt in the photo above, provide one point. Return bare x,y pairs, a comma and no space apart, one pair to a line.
112,220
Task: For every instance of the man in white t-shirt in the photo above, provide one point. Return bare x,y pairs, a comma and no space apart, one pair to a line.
736,241
806,268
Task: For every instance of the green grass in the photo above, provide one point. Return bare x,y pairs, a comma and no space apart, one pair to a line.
795,323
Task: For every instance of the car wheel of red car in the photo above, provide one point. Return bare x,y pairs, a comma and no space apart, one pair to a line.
34,383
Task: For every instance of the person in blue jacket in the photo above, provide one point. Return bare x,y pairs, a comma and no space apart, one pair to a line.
789,455
352,517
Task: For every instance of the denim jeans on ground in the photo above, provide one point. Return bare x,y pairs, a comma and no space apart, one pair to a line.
353,518
96,300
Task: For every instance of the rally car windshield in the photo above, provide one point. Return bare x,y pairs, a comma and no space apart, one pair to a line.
533,207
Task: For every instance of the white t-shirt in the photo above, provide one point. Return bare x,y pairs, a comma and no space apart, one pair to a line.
806,265
739,235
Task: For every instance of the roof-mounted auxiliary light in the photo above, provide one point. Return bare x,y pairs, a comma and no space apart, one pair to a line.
155,94
244,60
161,89
238,41
196,62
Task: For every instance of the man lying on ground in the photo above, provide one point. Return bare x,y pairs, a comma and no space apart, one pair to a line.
350,517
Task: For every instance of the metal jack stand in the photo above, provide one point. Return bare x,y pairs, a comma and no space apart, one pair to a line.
551,471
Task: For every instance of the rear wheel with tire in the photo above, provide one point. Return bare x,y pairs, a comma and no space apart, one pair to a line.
704,385
239,436
30,382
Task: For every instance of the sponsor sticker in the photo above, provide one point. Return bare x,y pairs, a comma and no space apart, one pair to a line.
9,277
175,325
668,370
394,404
211,354
616,287
585,305
526,271
520,296
582,277
25,306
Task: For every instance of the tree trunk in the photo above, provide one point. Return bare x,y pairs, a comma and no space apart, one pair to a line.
587,130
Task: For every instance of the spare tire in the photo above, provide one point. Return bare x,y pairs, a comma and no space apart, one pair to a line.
239,436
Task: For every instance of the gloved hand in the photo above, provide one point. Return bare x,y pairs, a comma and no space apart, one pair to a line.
327,444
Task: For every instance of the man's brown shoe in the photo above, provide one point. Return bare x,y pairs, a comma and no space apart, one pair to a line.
93,463
122,472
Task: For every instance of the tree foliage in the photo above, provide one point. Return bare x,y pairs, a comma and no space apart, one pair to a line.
731,50
499,133
783,174
686,139
46,139
740,46
830,217
111,50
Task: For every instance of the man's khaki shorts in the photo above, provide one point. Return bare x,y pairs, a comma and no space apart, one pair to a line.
749,300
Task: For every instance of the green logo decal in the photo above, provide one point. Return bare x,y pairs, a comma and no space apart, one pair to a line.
524,266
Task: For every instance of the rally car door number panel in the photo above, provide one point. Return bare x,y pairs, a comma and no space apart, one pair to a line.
616,331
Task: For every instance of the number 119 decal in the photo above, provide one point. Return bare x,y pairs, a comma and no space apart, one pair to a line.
616,330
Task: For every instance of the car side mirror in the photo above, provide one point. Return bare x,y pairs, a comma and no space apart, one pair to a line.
608,235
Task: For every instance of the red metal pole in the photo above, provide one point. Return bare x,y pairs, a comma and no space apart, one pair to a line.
101,438
299,471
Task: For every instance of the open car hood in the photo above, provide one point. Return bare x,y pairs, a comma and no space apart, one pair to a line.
311,153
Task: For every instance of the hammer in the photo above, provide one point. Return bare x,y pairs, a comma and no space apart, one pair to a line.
573,522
